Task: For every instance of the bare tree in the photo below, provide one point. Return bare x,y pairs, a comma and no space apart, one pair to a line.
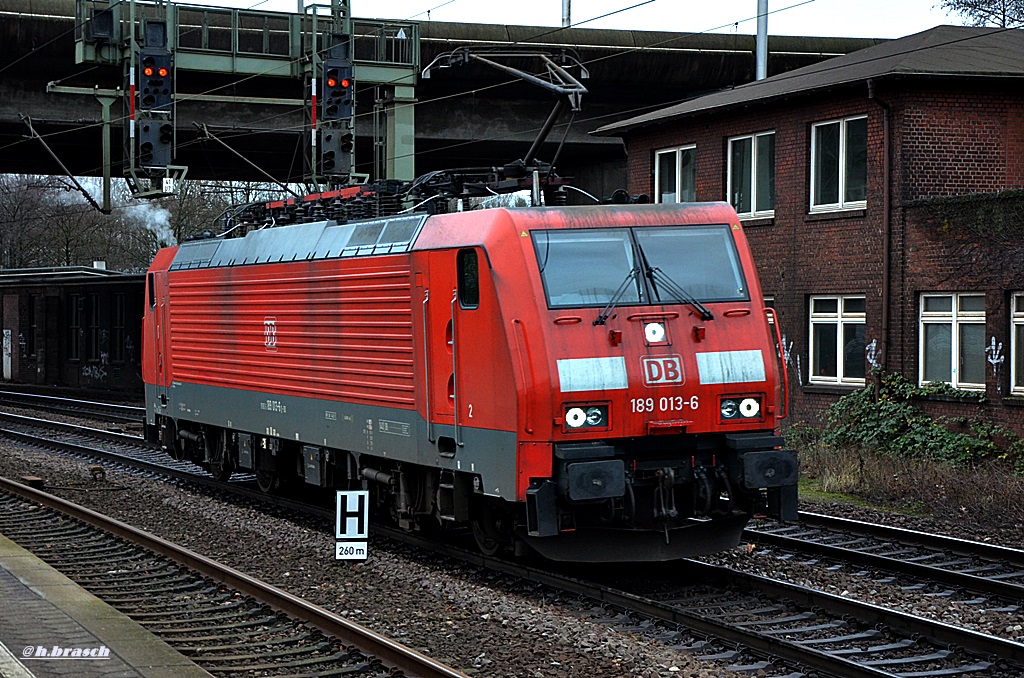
999,13
25,219
43,223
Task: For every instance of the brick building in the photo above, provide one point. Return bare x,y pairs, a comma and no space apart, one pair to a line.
881,193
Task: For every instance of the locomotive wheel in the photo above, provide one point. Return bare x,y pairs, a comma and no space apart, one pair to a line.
267,481
171,443
220,461
221,470
492,527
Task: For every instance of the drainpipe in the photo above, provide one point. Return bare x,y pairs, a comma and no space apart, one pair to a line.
886,223
761,46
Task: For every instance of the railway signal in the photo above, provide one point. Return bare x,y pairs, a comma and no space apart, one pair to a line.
156,80
156,139
336,151
337,99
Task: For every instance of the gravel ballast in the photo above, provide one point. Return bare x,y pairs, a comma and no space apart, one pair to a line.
452,613
482,624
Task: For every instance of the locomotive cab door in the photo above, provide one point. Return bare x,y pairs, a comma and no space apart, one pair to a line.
453,298
157,300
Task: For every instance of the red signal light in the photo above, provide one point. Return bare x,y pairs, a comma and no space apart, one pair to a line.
147,71
162,72
332,82
345,83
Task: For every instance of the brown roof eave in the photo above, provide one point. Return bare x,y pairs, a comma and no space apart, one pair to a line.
624,127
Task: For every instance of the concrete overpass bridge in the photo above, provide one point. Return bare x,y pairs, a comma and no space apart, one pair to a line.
467,116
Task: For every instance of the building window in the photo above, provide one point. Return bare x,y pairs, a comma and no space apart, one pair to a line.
952,337
1017,343
35,313
839,164
117,329
837,340
75,327
94,327
752,174
675,177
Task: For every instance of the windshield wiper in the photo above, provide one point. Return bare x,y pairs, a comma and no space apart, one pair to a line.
603,316
655,273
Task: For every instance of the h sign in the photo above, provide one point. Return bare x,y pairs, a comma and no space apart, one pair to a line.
663,370
353,514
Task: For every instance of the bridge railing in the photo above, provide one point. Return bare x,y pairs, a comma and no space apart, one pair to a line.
386,43
239,41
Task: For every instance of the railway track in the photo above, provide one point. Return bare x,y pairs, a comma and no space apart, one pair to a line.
786,628
225,621
972,566
126,414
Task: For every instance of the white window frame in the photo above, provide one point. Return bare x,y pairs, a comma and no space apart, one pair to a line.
843,204
679,170
955,317
753,213
1016,342
840,319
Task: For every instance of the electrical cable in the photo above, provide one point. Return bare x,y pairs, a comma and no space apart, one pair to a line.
490,87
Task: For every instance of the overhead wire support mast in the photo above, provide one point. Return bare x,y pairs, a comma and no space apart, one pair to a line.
559,81
35,135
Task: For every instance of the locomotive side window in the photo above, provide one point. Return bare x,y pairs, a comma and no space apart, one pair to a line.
469,279
586,267
151,288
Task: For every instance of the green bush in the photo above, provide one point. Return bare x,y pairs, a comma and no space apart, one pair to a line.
891,424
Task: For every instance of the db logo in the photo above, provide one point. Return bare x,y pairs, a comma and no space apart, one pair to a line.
665,370
270,333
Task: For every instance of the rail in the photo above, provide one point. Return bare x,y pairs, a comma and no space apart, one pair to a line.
395,654
793,623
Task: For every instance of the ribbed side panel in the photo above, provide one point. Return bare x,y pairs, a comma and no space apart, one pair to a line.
324,332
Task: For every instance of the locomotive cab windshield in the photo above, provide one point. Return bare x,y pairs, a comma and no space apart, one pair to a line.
596,267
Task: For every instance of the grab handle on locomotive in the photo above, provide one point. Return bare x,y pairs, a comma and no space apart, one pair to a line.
774,322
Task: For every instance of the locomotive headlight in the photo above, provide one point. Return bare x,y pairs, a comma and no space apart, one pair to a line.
575,417
750,407
584,417
654,333
730,408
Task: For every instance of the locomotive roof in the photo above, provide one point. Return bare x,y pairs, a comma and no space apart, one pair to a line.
399,234
303,242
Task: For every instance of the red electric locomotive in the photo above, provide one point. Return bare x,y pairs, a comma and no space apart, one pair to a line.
599,383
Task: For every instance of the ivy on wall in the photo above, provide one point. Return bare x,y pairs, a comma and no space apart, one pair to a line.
981,236
988,217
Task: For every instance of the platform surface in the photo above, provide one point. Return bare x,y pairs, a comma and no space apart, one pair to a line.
51,627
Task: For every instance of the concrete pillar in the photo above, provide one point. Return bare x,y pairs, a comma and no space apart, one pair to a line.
400,149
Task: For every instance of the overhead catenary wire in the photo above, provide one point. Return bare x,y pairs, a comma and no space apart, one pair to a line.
470,92
396,81
475,91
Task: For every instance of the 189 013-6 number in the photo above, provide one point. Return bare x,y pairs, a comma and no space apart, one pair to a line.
664,404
